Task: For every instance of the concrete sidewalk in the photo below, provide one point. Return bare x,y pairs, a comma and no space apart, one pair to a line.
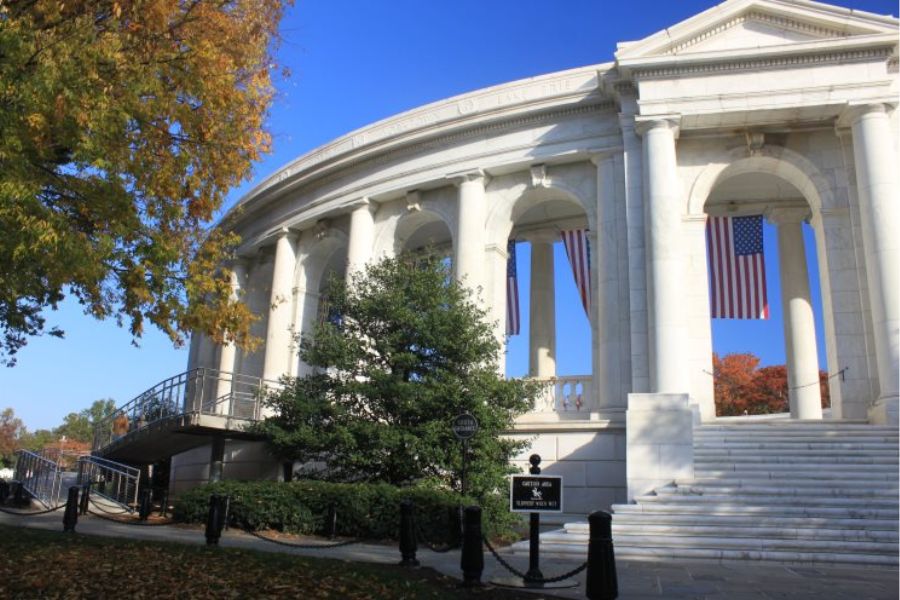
638,579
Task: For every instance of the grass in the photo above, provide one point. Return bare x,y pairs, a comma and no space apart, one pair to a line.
46,564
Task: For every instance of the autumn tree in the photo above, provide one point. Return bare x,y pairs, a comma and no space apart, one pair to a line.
741,387
123,123
11,432
79,426
404,351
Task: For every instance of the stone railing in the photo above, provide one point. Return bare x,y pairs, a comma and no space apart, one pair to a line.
567,393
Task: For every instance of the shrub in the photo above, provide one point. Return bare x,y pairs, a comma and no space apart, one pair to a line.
364,510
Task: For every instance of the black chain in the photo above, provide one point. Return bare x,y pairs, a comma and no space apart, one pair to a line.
132,522
109,512
20,513
436,549
307,546
525,577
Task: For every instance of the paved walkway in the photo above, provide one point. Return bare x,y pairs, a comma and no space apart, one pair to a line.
638,579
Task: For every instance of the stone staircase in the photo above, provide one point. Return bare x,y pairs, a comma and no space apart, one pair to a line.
781,491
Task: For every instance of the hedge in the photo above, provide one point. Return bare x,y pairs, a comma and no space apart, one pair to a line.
364,510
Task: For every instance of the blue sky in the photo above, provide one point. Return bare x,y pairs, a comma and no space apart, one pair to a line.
352,63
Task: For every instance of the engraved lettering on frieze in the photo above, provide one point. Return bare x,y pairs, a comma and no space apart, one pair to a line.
466,106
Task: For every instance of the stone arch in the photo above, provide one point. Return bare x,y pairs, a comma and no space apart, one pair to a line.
776,160
403,222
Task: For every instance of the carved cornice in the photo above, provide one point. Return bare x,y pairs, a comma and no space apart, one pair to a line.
774,20
773,62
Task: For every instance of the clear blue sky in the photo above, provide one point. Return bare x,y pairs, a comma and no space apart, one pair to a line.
352,63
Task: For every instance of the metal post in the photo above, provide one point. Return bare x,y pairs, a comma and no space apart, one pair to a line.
408,544
19,494
472,559
602,583
332,521
164,504
144,504
70,516
85,497
4,491
215,519
534,535
465,464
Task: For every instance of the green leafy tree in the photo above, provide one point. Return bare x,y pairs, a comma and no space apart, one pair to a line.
80,426
123,124
403,351
36,440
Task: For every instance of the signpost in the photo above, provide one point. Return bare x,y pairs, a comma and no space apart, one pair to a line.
464,427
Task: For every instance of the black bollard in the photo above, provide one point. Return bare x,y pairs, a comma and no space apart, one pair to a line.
472,560
4,491
602,583
332,521
70,516
408,544
164,503
85,498
144,504
215,519
19,494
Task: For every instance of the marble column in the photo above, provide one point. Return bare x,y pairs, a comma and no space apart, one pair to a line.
875,160
228,350
605,323
663,211
278,328
799,324
362,237
542,314
468,258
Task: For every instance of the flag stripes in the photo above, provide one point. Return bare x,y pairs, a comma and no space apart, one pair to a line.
512,291
737,271
578,250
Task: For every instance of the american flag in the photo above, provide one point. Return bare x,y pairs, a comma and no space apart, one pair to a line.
578,250
512,290
737,269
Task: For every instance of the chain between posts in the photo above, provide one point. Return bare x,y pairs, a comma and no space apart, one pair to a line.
305,546
421,537
525,577
19,513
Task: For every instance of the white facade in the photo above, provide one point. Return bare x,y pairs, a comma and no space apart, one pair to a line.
780,107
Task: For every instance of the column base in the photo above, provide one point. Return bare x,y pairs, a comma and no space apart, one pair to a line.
885,411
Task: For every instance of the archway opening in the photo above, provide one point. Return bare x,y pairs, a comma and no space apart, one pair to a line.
767,326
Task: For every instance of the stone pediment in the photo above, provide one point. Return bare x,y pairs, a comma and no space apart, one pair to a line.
743,25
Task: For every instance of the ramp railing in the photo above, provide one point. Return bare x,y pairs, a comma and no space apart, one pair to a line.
40,476
198,391
117,482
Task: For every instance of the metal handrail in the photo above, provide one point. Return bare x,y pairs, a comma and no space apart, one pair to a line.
117,482
198,391
40,476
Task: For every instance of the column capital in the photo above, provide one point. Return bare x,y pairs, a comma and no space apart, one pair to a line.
541,236
787,216
286,232
364,202
852,113
645,124
470,176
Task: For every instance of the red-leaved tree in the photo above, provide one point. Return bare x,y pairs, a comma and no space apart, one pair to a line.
742,388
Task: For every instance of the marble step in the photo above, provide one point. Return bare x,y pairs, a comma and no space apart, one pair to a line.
734,481
781,473
769,500
794,446
807,426
785,492
731,532
734,507
800,453
761,543
672,519
792,458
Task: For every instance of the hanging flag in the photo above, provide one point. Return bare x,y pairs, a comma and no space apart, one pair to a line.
737,269
578,249
512,290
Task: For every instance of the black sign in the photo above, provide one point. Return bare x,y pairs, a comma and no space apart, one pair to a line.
535,493
464,426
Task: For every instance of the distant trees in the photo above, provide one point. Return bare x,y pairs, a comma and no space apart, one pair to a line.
80,426
11,431
741,387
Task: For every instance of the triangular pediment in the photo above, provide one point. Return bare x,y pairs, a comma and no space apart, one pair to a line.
739,25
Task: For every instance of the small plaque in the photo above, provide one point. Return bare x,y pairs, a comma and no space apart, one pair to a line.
535,493
464,426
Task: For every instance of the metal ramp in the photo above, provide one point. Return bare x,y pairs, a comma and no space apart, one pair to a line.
116,482
40,477
180,413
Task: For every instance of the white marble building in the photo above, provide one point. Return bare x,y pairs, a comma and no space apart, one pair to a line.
785,108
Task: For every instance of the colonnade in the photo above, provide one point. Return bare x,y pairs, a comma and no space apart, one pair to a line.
664,212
